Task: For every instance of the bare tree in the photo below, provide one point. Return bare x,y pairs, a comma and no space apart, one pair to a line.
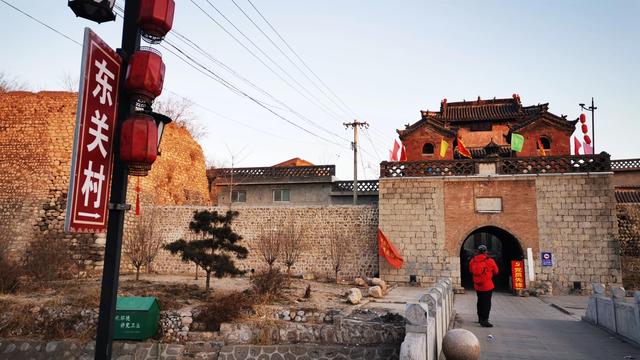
180,110
143,244
269,245
69,82
8,83
338,250
293,244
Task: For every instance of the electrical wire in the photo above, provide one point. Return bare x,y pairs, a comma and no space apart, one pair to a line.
42,23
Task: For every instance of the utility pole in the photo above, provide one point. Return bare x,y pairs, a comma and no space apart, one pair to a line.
355,124
592,108
117,207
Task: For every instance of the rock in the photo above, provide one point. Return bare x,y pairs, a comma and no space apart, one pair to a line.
286,313
300,313
187,320
376,292
297,319
286,318
360,282
461,344
354,296
51,346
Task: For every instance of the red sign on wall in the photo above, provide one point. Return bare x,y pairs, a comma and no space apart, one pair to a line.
517,274
92,157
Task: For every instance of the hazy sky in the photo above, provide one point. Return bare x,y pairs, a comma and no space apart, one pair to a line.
386,60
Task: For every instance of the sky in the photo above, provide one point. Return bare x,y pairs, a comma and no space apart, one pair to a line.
384,60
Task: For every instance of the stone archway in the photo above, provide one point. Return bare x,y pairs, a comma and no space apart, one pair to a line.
502,246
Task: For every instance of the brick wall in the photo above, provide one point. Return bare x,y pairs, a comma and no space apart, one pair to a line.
357,223
629,232
577,222
574,217
36,139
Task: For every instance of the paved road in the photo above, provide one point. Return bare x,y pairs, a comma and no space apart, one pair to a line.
528,328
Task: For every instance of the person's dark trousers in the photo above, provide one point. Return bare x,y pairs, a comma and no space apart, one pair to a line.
484,305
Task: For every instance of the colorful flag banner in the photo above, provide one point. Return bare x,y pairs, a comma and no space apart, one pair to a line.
386,249
443,147
541,147
517,141
588,150
462,150
403,153
399,152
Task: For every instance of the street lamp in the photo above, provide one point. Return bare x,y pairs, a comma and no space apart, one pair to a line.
94,10
591,108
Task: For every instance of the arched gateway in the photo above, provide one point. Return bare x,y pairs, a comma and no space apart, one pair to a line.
502,247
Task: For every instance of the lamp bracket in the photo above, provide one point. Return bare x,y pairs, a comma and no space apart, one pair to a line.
119,207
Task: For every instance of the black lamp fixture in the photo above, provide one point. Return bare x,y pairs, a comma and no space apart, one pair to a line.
161,122
95,10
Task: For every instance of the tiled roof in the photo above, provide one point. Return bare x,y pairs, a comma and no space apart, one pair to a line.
498,109
628,196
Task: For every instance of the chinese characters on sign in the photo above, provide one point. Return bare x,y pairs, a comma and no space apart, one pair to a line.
126,323
517,274
92,158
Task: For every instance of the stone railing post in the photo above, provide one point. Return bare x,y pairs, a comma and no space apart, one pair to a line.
434,299
636,313
415,345
617,295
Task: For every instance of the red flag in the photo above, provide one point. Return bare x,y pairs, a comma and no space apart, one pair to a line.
403,153
462,150
386,249
541,147
138,197
576,146
395,153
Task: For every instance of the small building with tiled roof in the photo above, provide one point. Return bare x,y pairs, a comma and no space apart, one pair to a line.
294,162
485,127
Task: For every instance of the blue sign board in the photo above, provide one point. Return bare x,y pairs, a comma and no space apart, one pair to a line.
546,258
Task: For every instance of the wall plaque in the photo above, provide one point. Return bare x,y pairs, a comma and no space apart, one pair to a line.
489,205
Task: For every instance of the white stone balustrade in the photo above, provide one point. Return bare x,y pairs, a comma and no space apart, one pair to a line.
615,313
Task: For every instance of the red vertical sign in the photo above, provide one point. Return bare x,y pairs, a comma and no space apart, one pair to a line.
92,157
517,274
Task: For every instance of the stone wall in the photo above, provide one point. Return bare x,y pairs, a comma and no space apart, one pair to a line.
36,140
358,224
573,216
629,233
577,223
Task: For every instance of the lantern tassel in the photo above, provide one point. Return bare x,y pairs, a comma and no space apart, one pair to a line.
138,197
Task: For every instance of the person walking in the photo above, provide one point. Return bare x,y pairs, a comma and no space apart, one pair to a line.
483,269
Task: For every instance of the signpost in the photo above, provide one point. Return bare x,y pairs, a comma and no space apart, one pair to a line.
517,274
547,259
92,157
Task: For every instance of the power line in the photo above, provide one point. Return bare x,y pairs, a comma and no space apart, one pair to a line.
299,58
41,23
288,57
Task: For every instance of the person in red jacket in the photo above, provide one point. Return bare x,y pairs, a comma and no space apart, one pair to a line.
483,269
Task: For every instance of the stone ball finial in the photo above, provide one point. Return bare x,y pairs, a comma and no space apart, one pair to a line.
461,344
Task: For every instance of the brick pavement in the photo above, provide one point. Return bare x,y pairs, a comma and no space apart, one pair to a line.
528,328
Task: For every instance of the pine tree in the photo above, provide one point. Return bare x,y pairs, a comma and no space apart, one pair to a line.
212,253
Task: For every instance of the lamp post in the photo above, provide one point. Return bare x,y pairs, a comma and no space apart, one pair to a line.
591,108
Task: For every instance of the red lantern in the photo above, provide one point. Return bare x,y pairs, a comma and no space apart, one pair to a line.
156,19
587,139
583,118
585,129
139,143
145,74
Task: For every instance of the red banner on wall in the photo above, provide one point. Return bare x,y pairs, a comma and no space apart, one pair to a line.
517,274
92,157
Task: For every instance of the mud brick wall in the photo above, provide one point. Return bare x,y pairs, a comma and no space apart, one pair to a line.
358,224
36,140
629,233
577,222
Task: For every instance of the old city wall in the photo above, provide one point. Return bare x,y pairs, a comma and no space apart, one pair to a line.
629,233
36,140
357,224
573,216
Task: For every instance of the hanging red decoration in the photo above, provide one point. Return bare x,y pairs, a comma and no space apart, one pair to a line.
145,74
138,197
584,128
156,19
139,143
587,139
583,118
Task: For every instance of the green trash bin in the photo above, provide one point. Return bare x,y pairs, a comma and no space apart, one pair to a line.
136,318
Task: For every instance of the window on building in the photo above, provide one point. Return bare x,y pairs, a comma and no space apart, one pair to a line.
281,195
239,196
546,143
427,149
